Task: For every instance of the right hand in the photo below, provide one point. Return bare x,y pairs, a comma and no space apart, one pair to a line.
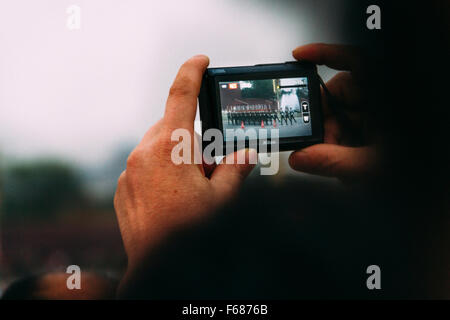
336,157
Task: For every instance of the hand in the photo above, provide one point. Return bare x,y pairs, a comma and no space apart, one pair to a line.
338,156
154,196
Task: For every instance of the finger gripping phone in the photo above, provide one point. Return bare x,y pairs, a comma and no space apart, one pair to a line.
271,107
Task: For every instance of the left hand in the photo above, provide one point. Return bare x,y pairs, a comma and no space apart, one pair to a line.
154,196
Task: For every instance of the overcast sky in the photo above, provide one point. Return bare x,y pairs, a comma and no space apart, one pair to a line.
81,94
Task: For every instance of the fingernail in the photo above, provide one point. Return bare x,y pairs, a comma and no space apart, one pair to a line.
297,157
252,156
201,56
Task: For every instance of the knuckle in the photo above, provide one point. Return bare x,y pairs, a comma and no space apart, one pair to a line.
121,180
182,87
177,90
135,159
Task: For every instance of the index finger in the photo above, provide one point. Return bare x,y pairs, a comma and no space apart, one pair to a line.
339,57
181,104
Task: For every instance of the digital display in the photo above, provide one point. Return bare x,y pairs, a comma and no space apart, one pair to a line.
281,104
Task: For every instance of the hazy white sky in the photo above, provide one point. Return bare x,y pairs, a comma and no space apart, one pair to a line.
81,94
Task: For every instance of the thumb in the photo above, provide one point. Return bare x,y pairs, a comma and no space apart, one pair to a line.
232,171
333,161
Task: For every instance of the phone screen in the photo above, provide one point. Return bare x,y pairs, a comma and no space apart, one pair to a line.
250,105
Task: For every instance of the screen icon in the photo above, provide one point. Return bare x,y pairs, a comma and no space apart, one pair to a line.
305,106
233,86
306,118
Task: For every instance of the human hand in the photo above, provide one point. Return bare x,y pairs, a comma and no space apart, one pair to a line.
339,156
154,196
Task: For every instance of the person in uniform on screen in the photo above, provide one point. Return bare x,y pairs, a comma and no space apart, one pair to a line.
291,115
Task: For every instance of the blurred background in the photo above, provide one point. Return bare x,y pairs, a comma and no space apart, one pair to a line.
75,102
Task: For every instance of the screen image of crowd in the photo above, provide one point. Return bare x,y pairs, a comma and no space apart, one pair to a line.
281,104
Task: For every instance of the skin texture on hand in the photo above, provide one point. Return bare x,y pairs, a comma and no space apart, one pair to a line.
337,157
154,196
53,286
